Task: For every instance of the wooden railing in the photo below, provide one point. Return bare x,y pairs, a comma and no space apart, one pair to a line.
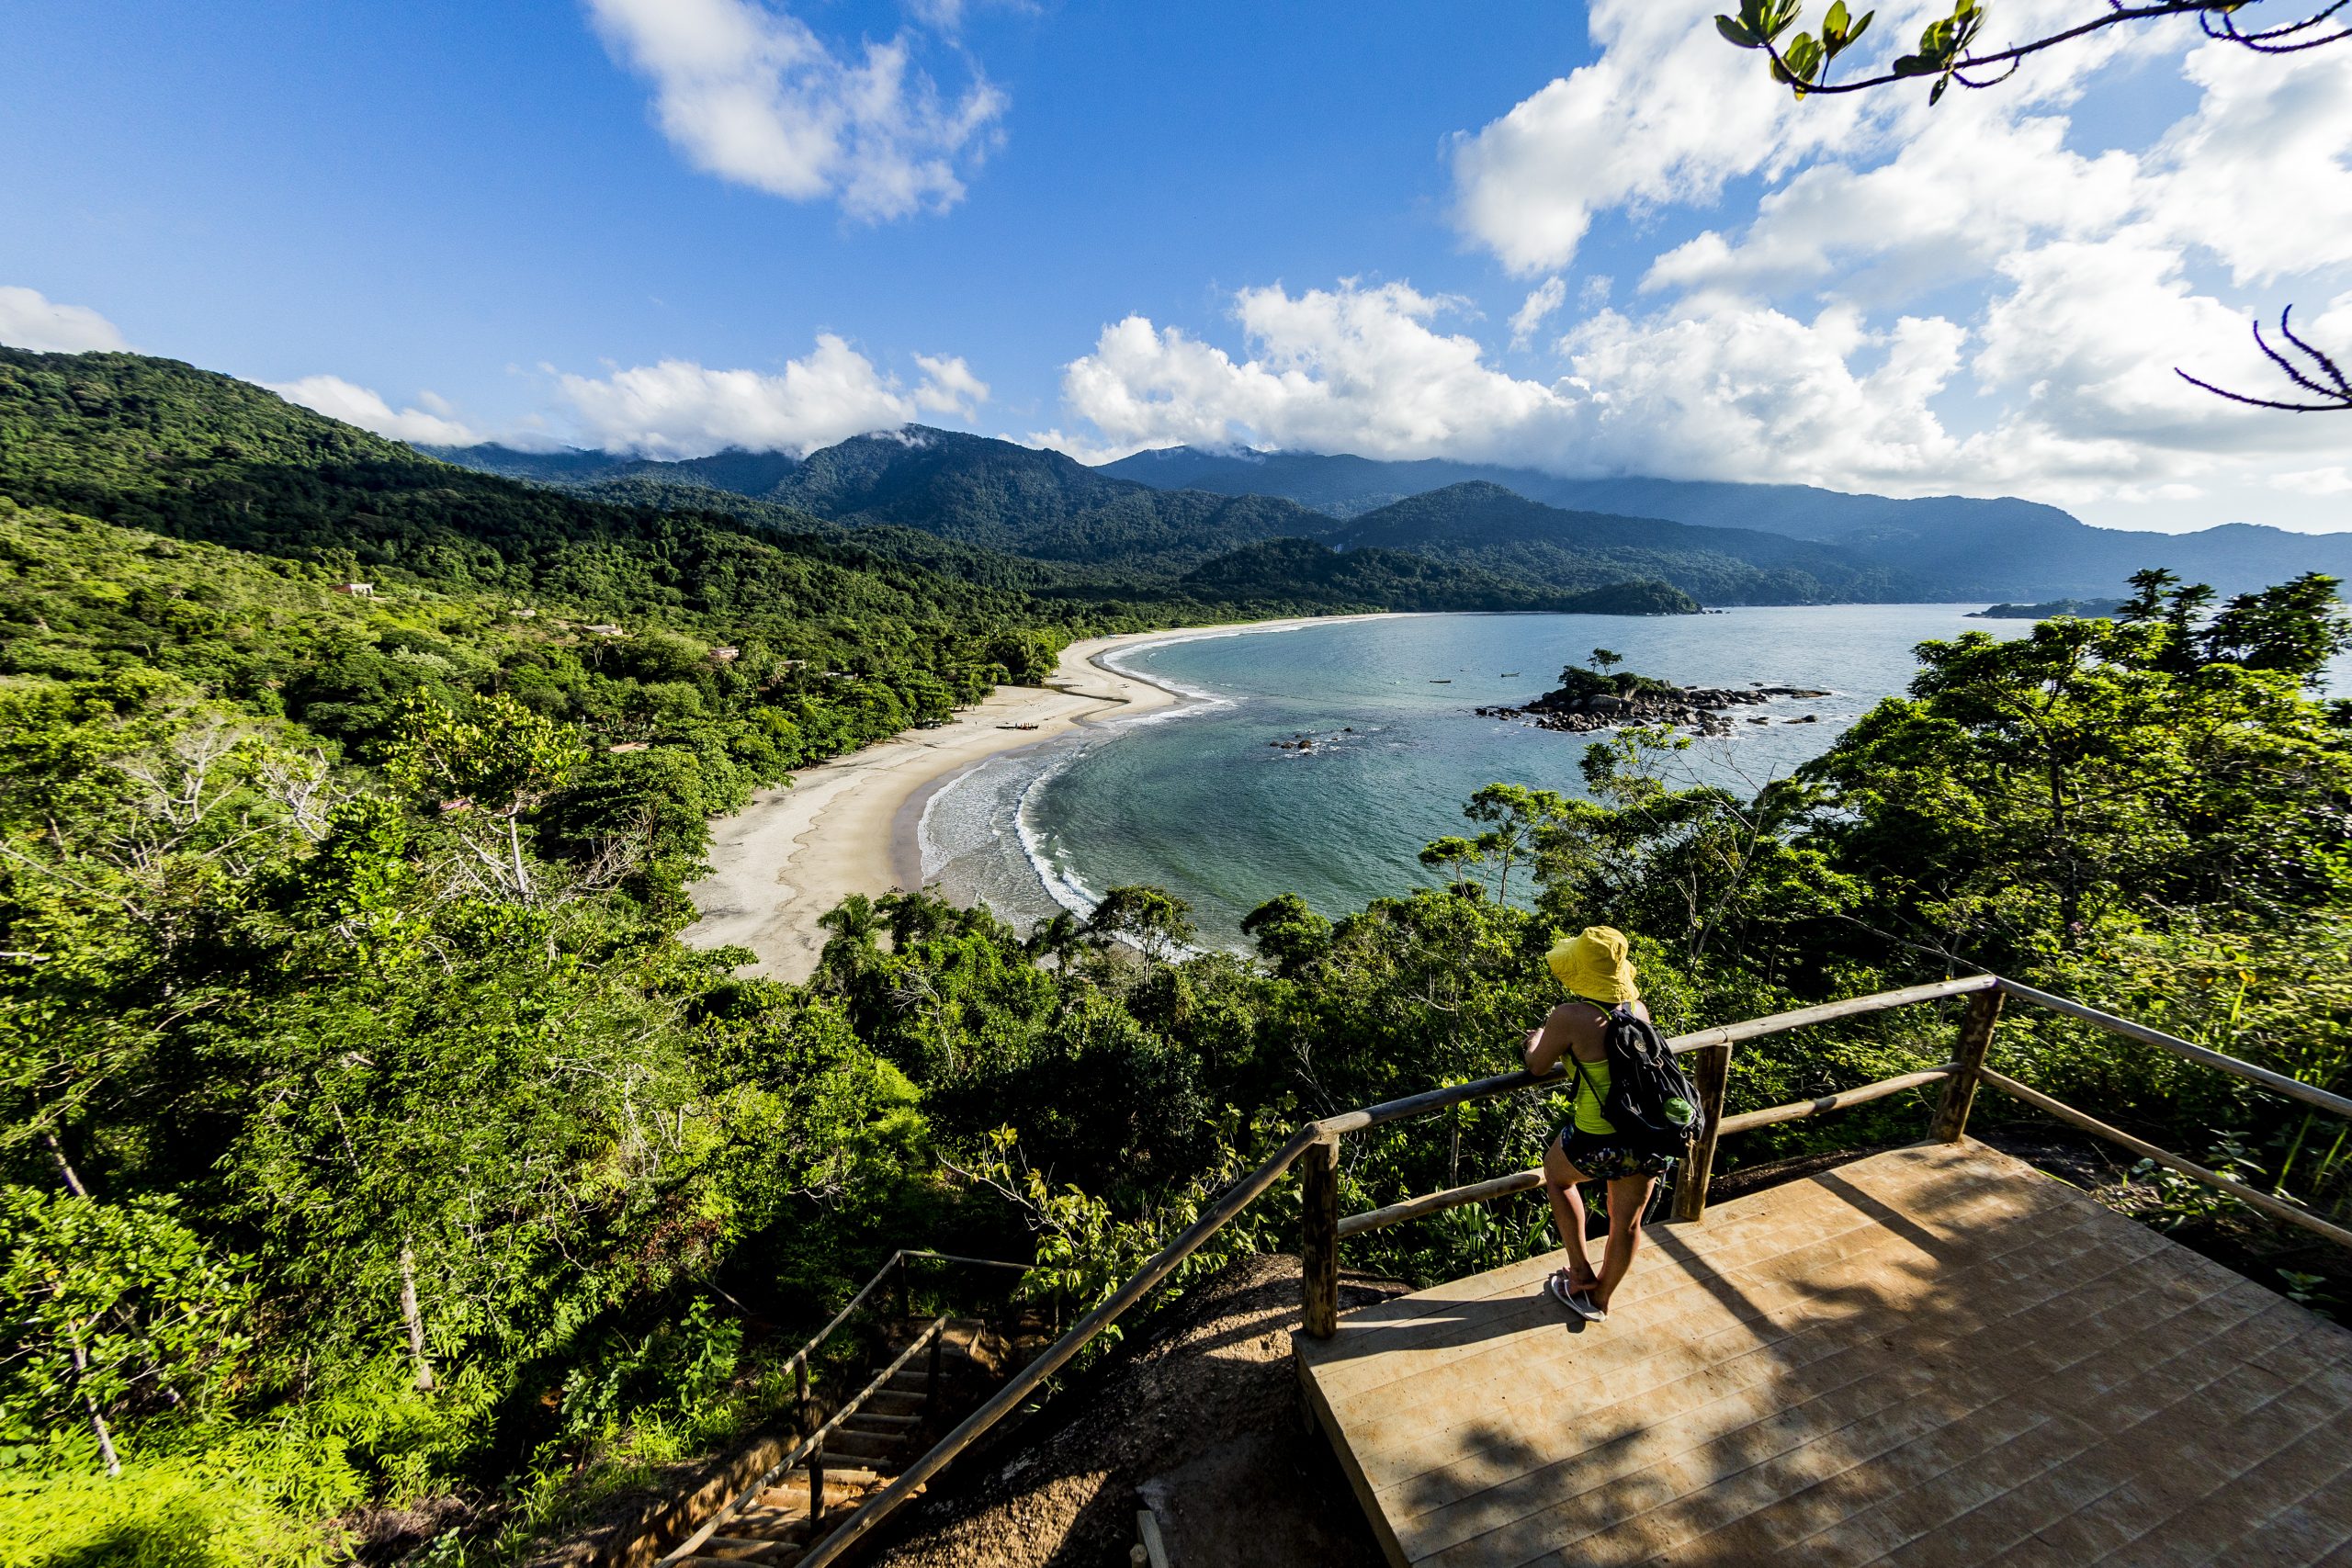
811,1449
1315,1149
894,1271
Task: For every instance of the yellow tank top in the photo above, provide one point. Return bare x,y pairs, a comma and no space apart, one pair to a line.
1593,1088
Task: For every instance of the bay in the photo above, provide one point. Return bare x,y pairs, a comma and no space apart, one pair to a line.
1200,800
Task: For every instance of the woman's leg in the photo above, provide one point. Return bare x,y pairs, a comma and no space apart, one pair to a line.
1560,1180
1629,1198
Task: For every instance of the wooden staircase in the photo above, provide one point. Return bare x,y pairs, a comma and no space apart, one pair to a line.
853,1454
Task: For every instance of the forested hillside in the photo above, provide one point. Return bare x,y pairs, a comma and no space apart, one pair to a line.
1497,531
1028,502
381,1172
1294,568
159,444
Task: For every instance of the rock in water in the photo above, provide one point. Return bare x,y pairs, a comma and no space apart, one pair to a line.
1641,701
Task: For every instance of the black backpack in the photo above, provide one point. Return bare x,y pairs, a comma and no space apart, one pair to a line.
1650,1102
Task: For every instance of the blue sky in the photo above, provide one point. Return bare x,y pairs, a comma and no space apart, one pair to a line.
677,224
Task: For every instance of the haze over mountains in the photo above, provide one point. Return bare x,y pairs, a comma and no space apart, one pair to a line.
1161,515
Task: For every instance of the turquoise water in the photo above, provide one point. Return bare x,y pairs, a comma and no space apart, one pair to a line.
1197,800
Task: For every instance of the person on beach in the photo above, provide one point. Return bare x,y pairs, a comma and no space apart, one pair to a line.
1599,977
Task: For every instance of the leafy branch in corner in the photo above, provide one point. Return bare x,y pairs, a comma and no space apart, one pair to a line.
1947,45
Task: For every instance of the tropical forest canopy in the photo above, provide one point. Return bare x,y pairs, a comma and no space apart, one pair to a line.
375,1154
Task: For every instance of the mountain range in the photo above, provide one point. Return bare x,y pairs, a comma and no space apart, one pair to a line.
1006,536
1155,519
1947,546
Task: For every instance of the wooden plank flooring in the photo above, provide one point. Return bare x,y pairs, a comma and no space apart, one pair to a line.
1935,1355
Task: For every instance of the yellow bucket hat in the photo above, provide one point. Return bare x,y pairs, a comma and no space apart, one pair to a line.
1593,964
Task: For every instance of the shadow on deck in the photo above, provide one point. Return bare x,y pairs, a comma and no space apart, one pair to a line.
1937,1355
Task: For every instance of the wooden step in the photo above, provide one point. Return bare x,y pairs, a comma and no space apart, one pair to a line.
742,1548
868,1447
770,1523
792,1492
870,1420
897,1402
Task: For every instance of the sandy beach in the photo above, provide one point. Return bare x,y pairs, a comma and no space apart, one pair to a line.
847,826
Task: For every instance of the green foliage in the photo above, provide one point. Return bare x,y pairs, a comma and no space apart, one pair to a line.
1157,925
189,1512
1085,1250
112,1307
1582,685
1802,62
338,970
1294,572
2032,794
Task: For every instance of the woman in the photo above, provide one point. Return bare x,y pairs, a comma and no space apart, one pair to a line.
1598,976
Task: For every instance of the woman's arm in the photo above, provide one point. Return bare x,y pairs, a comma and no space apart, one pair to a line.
1548,1043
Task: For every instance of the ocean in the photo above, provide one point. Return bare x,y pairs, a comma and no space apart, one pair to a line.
1200,799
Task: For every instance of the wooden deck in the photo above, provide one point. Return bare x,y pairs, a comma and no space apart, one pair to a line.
1932,1356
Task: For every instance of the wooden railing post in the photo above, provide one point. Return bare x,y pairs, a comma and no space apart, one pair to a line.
931,1384
807,1412
1318,1243
1711,1071
815,1486
901,1286
1960,1090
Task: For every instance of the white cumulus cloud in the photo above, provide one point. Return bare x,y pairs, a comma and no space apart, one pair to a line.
1345,370
31,320
2060,403
2335,479
1542,301
431,425
680,408
749,92
1669,114
948,386
1954,200
1732,391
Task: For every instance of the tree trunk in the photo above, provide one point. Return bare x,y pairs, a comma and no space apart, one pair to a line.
414,1319
64,1166
90,1403
515,852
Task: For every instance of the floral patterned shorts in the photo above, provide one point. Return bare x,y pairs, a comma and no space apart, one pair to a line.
1601,1160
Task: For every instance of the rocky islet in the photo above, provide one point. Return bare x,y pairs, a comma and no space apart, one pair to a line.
1704,710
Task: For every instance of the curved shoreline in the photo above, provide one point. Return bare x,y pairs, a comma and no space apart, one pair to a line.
852,825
